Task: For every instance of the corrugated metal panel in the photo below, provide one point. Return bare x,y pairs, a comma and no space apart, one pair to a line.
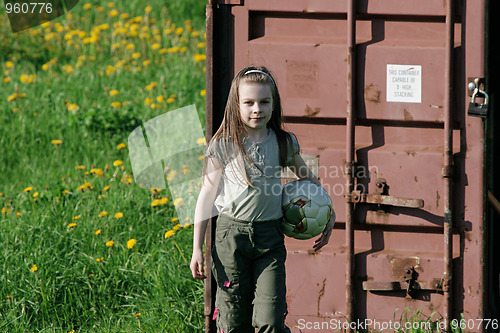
410,66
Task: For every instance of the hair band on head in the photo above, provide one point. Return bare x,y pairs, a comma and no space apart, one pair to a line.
259,71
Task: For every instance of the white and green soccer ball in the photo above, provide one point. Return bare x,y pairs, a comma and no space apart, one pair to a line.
307,208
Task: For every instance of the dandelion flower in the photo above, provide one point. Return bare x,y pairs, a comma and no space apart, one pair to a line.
110,243
106,187
117,163
113,13
148,9
177,227
34,268
9,64
169,233
97,232
76,217
121,146
131,243
87,6
155,203
163,201
116,105
113,92
201,141
103,213
148,101
99,259
187,226
118,215
27,189
97,172
175,219
56,142
71,225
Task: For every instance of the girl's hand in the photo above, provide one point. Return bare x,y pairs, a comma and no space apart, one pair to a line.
325,236
197,265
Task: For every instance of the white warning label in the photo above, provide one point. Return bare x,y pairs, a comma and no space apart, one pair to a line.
404,83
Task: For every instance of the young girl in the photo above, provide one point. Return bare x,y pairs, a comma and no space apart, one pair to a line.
242,177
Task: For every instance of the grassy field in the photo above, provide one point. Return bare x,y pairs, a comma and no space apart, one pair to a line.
82,247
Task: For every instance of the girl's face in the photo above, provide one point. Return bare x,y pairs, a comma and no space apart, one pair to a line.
256,105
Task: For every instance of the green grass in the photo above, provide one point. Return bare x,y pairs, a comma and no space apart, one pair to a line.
80,283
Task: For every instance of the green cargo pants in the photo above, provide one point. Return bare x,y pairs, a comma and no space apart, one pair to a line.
248,263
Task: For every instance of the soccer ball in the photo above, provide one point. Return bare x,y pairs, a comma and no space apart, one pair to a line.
307,208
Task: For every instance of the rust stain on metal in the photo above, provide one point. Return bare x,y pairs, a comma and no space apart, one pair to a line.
400,266
321,294
372,94
407,115
310,112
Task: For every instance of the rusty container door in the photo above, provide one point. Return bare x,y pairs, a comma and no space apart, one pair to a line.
376,92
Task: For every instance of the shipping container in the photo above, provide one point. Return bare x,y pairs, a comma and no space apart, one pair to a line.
388,101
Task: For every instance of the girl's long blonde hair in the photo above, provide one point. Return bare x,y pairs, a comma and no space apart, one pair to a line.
229,134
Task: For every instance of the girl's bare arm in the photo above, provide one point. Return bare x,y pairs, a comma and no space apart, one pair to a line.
203,212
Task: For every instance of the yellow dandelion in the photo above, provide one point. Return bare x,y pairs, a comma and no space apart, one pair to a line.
116,105
187,225
124,16
136,55
169,233
103,213
80,167
118,215
121,146
177,201
97,232
137,315
72,107
163,201
177,227
148,9
113,92
9,64
76,217
201,45
201,141
110,243
156,46
117,163
131,243
173,49
155,203
34,268
203,92
18,213
148,101
6,80
113,13
130,46
199,57
175,219
71,225
146,63
99,259
56,142
97,172
87,6
106,188
170,100
179,30
65,192
27,189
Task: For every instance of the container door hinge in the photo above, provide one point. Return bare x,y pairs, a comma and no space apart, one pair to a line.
408,284
381,197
